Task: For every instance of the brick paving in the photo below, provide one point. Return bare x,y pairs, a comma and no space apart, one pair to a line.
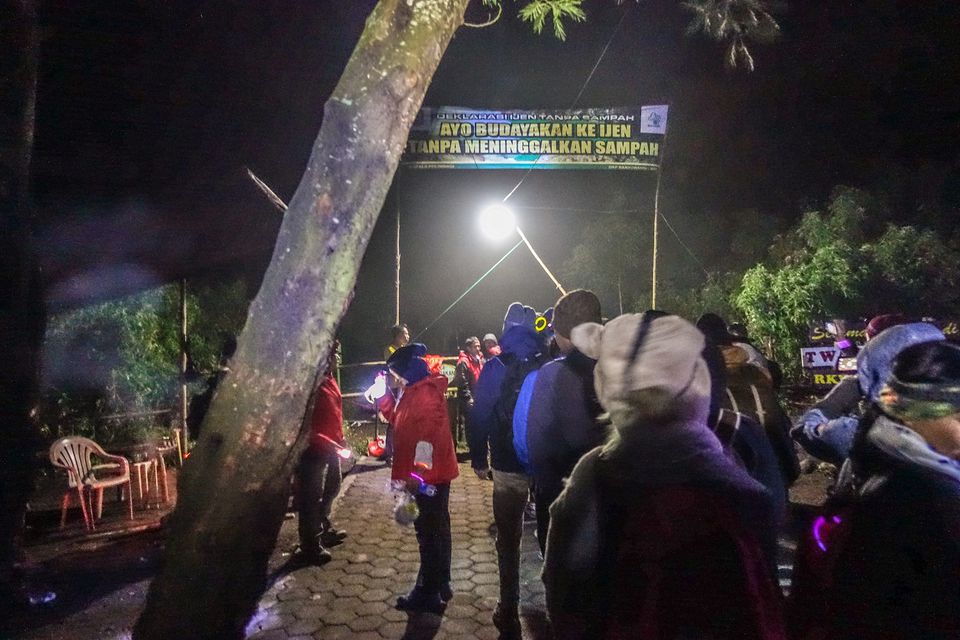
353,595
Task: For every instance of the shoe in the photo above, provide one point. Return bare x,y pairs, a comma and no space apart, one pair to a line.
332,537
507,621
420,602
446,592
317,557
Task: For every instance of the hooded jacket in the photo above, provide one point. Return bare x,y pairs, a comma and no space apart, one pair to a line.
519,342
421,416
658,534
827,429
882,559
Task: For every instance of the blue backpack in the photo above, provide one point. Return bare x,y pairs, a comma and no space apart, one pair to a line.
520,413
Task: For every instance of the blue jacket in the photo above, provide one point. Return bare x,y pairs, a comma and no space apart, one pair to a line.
838,412
484,433
562,421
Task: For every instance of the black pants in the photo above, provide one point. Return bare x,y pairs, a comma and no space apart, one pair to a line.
319,478
433,536
544,495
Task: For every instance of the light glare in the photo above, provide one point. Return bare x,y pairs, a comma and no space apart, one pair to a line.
497,221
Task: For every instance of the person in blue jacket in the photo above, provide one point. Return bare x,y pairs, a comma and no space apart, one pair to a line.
561,422
828,428
491,435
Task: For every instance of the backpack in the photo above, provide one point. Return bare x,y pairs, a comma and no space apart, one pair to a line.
520,412
517,371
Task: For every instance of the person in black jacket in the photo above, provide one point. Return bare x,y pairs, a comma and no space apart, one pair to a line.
883,559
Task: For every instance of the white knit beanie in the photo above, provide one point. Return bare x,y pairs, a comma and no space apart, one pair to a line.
637,352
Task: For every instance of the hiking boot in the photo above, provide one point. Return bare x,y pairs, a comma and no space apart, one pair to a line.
332,537
446,592
507,620
418,601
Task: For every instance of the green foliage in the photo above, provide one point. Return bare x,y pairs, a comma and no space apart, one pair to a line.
845,262
536,13
122,357
732,21
715,294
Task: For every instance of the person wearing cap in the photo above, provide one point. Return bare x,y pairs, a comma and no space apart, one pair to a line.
491,348
491,430
318,474
883,558
561,423
424,455
826,430
658,534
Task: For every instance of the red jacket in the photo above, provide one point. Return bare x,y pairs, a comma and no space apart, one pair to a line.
327,417
421,415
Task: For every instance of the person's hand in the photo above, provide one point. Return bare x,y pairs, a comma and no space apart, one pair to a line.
413,485
483,474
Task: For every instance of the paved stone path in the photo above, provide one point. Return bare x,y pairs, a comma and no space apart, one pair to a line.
353,595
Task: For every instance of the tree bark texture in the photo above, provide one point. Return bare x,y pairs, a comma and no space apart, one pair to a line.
22,317
235,483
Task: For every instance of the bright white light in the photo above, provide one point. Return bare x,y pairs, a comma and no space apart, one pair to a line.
497,221
377,390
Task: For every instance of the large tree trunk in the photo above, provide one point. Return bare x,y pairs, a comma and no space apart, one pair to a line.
235,484
21,300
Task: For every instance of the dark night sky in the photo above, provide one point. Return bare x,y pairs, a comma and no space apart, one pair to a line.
148,113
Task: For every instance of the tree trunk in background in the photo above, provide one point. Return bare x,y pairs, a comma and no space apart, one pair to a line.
235,484
21,301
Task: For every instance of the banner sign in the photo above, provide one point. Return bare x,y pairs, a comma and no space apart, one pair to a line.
459,138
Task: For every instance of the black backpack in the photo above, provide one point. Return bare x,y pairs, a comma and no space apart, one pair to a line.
516,373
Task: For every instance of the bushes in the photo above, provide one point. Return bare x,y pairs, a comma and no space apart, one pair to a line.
122,357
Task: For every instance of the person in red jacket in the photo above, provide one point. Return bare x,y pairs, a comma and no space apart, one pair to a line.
318,474
425,460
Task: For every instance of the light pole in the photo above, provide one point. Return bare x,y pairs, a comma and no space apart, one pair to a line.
497,222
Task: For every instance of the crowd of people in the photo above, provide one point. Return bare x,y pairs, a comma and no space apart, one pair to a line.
658,457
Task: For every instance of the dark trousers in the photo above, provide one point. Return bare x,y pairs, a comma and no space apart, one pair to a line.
319,479
433,536
544,497
388,442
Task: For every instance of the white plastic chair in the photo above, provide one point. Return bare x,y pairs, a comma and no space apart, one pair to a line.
78,455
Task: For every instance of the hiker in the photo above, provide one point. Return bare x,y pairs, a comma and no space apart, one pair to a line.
827,429
491,348
743,438
658,534
882,560
425,461
491,429
750,392
469,364
399,337
318,474
561,423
